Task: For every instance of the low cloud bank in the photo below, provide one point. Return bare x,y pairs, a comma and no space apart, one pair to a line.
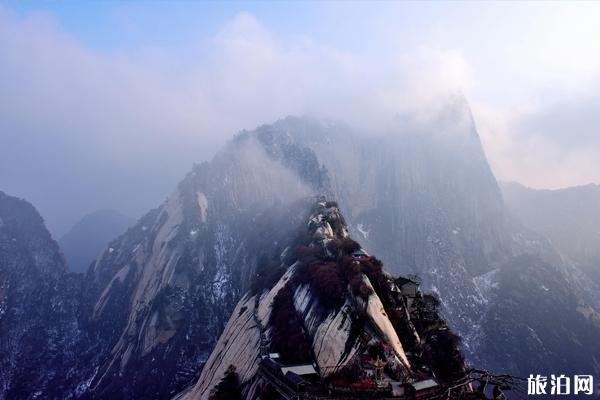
84,129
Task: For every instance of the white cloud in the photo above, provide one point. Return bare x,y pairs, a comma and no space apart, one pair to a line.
550,144
87,124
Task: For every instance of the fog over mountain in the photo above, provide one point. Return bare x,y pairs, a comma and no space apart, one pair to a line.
109,114
569,218
308,198
88,237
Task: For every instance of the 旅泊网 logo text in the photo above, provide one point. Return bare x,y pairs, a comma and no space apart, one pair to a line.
560,385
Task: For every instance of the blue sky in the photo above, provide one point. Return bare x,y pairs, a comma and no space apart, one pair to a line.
117,97
113,25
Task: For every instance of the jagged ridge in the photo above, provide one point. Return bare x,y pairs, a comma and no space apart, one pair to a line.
336,307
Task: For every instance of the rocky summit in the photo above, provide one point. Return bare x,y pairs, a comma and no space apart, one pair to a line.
327,321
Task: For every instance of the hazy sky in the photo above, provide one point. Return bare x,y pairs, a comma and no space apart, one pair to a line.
108,104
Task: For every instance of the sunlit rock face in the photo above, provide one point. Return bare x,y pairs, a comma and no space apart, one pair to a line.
339,333
160,294
423,198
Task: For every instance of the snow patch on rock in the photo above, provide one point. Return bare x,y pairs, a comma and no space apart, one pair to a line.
363,231
203,206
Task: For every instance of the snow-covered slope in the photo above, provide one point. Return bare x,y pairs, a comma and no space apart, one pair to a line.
38,306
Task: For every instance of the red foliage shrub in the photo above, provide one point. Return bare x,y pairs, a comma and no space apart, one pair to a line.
364,384
328,283
377,263
342,247
442,353
340,382
334,246
266,279
348,262
308,254
228,388
349,246
301,275
288,336
359,287
373,268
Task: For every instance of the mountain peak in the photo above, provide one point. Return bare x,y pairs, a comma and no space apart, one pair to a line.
332,318
87,238
22,227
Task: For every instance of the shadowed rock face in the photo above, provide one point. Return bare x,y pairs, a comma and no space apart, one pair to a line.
38,307
539,308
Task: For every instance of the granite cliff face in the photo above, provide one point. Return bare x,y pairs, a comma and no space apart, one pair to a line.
425,200
335,310
145,317
162,292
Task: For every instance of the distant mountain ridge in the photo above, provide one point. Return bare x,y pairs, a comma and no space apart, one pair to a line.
569,218
88,237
